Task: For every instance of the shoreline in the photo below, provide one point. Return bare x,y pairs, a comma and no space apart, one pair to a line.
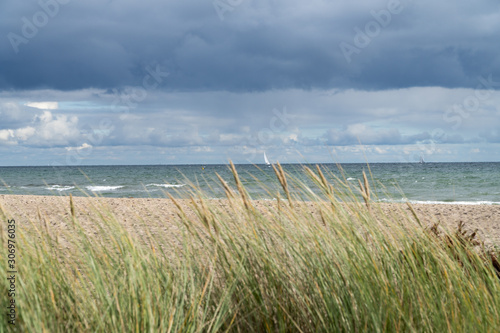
160,214
94,195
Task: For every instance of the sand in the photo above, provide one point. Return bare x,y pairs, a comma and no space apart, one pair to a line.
159,216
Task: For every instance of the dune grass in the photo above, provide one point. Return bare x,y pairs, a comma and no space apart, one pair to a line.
332,263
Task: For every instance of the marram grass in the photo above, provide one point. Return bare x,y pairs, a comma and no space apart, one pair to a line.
317,263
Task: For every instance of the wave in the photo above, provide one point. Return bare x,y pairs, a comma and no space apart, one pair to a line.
103,188
350,178
437,202
167,185
59,188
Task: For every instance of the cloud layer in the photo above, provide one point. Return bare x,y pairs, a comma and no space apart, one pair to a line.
117,82
217,126
258,46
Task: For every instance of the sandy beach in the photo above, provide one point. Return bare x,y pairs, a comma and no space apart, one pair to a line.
108,263
159,216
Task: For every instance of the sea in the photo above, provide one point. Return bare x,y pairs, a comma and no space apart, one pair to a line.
447,183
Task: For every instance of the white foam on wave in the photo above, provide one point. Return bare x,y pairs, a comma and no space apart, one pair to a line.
350,178
59,188
146,191
456,202
103,188
437,202
166,185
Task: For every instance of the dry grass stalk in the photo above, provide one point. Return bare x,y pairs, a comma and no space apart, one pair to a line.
363,194
71,205
323,178
180,210
205,215
2,211
328,188
464,237
414,213
227,189
278,196
367,186
365,190
282,179
202,214
467,242
241,190
323,221
312,175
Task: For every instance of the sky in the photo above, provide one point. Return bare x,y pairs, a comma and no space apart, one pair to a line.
199,82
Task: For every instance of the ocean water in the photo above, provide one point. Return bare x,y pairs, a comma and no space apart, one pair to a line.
470,183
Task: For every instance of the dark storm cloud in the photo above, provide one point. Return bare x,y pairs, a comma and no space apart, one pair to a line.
259,45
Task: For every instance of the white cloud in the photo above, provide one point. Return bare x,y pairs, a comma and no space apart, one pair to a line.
56,130
25,133
83,146
45,130
5,135
43,105
10,136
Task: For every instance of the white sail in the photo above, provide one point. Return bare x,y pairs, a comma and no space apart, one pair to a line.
422,160
266,160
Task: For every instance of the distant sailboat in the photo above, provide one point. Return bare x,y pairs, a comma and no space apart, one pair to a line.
421,160
266,160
